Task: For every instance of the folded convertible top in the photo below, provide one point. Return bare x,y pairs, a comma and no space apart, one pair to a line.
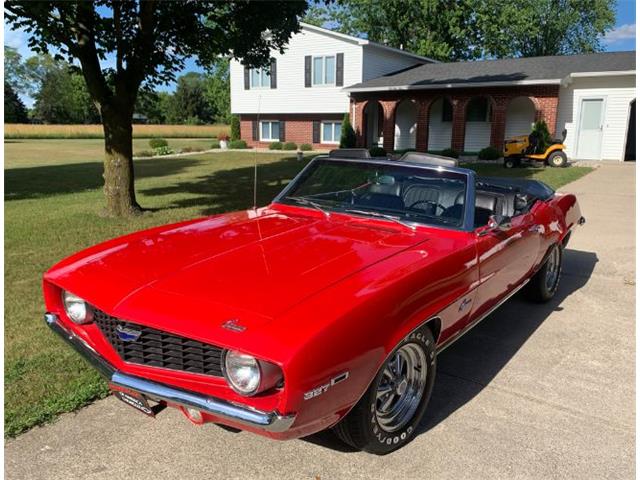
534,188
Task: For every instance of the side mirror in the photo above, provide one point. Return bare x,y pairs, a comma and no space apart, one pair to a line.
499,222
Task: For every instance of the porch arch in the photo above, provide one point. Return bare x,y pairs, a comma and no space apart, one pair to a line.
521,114
440,124
478,121
405,125
373,122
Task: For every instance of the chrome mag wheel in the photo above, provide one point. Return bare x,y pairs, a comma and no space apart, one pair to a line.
401,387
553,270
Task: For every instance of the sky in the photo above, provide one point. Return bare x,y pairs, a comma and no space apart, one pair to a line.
622,37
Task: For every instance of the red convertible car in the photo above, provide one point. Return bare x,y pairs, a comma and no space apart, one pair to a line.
327,308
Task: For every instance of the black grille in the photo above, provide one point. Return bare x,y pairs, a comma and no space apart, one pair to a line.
160,349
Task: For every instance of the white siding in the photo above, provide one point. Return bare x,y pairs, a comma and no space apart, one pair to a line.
477,135
521,114
439,131
405,131
617,93
292,96
377,62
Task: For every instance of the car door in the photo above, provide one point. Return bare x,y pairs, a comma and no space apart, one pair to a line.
505,258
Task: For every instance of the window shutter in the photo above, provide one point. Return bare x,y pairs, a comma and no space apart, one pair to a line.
282,134
274,74
316,132
246,78
340,70
254,130
307,71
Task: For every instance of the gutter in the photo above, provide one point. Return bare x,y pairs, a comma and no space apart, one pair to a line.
610,73
440,86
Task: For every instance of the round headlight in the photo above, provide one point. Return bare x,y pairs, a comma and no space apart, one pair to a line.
77,309
242,372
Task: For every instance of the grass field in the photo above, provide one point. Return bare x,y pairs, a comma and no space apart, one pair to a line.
23,130
52,209
31,153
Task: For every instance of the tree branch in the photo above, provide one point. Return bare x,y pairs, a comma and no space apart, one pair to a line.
87,53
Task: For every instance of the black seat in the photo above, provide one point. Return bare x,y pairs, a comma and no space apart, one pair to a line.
487,204
420,193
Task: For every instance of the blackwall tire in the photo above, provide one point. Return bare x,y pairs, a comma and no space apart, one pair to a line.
380,423
557,159
543,285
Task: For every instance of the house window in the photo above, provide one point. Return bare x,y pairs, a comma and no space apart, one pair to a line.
260,78
447,111
324,70
331,132
270,131
478,110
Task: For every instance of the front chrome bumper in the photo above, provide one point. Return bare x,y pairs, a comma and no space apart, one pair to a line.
269,421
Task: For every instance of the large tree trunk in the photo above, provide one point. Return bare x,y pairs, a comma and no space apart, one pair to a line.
118,162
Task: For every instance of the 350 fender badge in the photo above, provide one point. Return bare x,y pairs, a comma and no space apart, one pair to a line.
323,388
232,324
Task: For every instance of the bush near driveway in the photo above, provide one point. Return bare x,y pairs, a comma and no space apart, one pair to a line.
60,201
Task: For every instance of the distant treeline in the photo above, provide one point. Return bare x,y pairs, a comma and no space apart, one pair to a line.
61,96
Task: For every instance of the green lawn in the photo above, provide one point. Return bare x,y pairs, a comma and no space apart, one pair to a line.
53,201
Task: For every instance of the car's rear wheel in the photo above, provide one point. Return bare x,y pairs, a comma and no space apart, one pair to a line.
543,285
388,414
557,159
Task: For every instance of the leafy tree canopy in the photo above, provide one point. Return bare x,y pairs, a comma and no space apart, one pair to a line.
14,109
218,89
471,29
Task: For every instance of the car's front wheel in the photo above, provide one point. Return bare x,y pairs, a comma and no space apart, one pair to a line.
388,414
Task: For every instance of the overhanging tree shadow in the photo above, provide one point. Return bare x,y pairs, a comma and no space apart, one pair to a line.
232,189
43,181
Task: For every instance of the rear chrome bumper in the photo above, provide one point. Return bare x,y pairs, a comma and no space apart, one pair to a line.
242,415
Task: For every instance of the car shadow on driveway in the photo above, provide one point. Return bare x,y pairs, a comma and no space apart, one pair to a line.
471,363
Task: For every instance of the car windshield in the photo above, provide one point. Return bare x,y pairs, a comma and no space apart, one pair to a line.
402,193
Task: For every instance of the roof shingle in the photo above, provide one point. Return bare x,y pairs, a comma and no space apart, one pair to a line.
552,68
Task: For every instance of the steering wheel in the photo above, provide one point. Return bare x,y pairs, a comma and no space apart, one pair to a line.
429,202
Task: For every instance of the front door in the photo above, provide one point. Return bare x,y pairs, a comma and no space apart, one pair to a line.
590,129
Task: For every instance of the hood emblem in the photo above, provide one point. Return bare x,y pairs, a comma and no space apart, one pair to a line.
127,334
232,324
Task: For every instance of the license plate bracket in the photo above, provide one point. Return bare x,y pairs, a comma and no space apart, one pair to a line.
139,402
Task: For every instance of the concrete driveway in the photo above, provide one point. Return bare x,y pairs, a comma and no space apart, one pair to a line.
535,391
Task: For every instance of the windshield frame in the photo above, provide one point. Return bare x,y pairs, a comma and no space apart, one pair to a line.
470,178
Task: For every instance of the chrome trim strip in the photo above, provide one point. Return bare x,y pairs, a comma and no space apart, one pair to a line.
270,421
481,317
80,346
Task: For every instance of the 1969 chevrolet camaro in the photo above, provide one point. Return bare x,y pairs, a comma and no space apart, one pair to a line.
327,308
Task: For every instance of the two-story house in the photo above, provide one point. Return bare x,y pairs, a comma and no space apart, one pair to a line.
400,101
301,97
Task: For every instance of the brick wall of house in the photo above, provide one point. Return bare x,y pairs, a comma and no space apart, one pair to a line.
298,128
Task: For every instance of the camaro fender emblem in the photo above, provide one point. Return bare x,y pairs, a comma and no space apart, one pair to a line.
464,304
232,324
127,334
323,388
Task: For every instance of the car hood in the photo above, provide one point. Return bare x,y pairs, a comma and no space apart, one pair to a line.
252,265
